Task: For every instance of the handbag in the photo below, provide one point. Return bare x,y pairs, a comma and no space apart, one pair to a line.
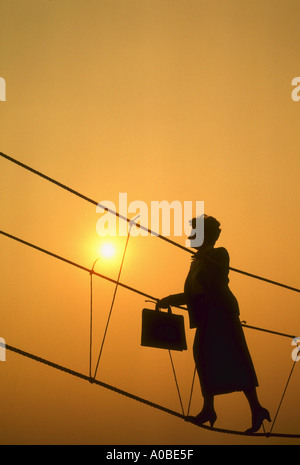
163,330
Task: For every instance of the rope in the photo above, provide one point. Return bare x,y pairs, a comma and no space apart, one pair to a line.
176,382
192,390
94,202
137,398
113,301
270,281
267,331
125,286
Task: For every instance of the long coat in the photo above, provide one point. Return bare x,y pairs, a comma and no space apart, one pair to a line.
220,350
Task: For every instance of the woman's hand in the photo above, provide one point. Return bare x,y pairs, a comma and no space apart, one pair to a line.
163,303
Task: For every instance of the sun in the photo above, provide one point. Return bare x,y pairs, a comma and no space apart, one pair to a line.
107,250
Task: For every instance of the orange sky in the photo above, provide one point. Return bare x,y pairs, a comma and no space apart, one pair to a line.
182,100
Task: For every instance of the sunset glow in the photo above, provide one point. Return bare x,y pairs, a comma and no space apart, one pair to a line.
107,250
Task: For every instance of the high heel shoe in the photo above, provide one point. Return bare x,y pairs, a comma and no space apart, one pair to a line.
257,420
204,417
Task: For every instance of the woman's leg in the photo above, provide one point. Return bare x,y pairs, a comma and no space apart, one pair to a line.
252,398
208,405
259,413
207,413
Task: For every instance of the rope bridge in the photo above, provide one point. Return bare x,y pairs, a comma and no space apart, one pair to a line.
92,379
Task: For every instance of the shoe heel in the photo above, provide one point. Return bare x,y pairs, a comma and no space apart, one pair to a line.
212,422
202,418
258,421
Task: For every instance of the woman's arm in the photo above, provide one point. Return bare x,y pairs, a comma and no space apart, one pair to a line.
172,300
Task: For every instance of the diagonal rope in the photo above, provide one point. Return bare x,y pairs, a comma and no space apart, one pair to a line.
113,300
176,382
77,265
94,202
192,390
282,397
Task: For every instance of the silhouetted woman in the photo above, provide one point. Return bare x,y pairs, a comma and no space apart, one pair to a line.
220,350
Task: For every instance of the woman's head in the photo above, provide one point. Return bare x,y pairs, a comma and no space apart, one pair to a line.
211,229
